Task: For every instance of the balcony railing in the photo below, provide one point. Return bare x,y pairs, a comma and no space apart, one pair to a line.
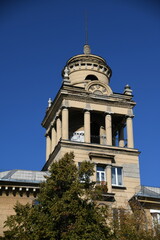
115,141
98,139
79,137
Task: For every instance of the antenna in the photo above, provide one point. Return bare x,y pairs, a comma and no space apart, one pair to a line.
86,28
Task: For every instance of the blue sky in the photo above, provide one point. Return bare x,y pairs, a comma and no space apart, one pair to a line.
37,38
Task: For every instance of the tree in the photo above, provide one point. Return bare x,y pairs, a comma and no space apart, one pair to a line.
65,210
133,225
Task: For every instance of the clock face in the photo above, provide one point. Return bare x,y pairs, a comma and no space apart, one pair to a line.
98,89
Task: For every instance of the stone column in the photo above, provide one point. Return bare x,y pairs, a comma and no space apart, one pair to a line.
108,126
130,141
94,177
87,126
48,146
65,125
109,178
59,129
121,137
54,138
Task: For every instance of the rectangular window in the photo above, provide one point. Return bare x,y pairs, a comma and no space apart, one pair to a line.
101,175
117,176
155,216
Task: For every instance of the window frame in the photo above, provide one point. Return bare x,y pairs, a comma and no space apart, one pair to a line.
100,171
83,178
155,213
116,176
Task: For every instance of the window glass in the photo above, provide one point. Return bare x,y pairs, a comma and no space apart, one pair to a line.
117,176
155,216
101,176
113,176
100,168
98,176
119,172
158,218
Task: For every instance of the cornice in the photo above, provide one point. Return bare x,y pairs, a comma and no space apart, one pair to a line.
91,148
15,188
79,94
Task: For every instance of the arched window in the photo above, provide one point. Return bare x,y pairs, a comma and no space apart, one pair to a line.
91,77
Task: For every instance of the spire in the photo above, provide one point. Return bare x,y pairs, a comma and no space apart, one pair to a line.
86,28
86,48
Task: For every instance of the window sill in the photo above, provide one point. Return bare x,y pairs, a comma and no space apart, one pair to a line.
109,197
118,187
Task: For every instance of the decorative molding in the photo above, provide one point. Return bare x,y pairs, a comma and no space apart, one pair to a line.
98,88
101,155
7,189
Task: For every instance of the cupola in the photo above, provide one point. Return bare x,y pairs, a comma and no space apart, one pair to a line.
84,68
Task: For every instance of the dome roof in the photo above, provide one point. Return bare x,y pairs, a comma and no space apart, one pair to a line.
78,67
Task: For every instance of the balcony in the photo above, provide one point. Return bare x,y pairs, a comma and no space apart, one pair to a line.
78,136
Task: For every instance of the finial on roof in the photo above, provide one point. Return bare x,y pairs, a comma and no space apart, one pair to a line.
127,90
49,102
66,71
66,76
86,49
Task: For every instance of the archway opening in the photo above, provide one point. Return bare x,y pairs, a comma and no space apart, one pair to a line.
91,77
95,138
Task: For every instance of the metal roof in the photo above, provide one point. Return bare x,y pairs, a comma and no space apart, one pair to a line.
23,176
145,191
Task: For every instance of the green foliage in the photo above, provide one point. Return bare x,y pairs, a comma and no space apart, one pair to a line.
133,226
65,210
86,171
100,191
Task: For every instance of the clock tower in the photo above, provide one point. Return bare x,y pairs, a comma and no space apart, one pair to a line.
88,118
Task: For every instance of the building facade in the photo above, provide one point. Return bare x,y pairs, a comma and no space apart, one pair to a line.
88,118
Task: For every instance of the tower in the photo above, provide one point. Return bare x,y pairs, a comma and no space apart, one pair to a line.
88,118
